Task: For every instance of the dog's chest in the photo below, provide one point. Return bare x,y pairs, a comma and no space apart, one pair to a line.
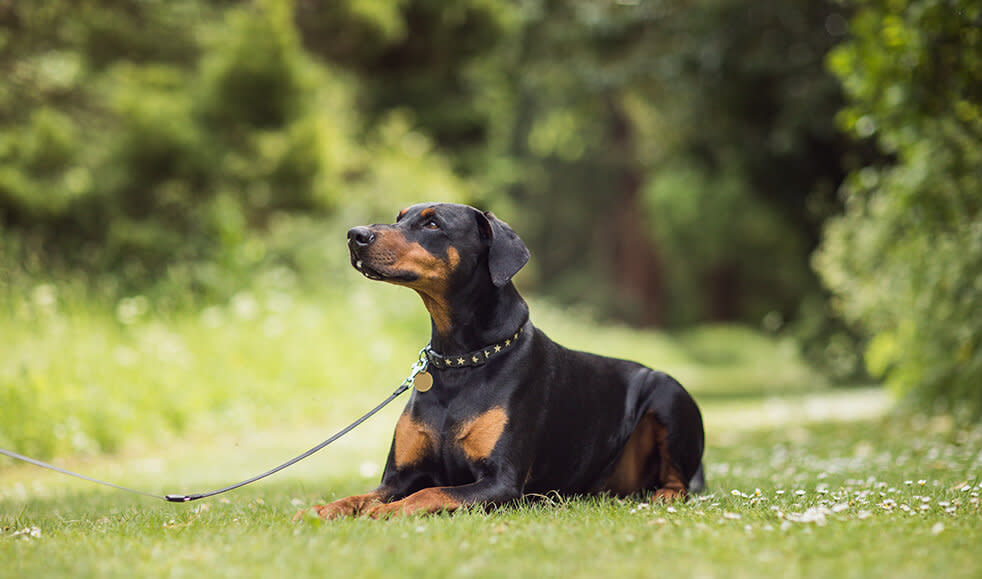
458,436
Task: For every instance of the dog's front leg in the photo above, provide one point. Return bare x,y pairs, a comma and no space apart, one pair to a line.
437,499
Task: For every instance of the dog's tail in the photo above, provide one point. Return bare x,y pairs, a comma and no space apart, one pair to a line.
698,482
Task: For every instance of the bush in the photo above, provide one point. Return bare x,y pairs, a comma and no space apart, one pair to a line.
905,260
187,166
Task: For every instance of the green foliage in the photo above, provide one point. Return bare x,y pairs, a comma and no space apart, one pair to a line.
79,377
906,258
667,164
418,54
200,170
747,159
162,140
668,145
35,165
157,162
715,232
255,76
83,372
908,63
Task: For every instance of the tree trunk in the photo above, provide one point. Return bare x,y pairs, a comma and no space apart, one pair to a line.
722,287
637,267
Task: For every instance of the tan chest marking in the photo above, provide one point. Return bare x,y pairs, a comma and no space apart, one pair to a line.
478,436
413,441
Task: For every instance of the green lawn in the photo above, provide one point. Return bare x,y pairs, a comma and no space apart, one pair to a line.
869,498
804,480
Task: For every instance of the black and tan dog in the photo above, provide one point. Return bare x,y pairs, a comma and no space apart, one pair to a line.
510,412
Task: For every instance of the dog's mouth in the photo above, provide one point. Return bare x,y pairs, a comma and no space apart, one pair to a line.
358,262
367,271
374,272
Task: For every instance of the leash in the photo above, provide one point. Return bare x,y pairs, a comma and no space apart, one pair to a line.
417,372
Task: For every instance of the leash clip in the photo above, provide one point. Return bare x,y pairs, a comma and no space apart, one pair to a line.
418,367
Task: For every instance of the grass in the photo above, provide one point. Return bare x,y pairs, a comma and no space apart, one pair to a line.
804,480
77,376
883,498
81,376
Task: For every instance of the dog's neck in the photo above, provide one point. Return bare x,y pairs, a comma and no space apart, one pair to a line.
479,315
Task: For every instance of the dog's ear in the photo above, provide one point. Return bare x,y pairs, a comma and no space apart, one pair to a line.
507,252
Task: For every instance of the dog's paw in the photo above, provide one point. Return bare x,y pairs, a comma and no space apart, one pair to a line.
669,495
385,510
346,507
432,500
342,508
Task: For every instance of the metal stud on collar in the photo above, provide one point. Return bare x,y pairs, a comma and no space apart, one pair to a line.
475,358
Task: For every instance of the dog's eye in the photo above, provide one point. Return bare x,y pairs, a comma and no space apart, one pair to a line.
431,224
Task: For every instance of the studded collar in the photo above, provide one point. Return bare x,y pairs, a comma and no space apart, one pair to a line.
476,357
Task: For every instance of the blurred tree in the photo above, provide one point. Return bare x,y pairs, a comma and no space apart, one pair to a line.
751,111
154,158
905,261
51,52
164,137
668,162
418,56
687,155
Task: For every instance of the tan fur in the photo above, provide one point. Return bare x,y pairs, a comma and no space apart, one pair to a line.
431,500
413,441
478,436
671,486
434,291
633,471
645,463
348,506
392,253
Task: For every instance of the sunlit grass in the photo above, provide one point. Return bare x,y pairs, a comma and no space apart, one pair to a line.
84,378
874,498
79,375
802,481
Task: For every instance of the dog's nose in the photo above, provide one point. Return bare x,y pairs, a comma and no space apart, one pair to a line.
361,236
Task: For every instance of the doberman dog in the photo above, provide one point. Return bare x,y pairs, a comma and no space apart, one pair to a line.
510,412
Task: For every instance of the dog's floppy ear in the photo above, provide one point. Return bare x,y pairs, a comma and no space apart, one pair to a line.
507,252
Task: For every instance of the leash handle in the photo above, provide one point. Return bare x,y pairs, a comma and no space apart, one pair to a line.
418,367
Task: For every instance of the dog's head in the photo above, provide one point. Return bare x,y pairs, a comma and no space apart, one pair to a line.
434,247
